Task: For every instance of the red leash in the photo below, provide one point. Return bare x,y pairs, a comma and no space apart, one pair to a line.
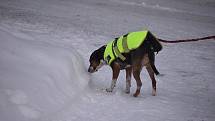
187,40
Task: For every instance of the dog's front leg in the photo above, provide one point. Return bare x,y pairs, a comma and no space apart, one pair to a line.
115,70
128,79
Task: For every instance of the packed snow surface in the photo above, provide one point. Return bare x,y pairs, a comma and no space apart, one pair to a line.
45,47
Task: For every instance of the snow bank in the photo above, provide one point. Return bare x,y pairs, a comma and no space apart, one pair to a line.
37,79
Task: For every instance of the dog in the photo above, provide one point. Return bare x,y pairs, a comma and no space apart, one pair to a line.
132,60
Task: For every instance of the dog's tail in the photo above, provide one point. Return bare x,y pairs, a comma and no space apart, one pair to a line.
151,56
155,69
153,46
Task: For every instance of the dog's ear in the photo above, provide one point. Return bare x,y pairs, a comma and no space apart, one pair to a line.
103,48
98,54
101,51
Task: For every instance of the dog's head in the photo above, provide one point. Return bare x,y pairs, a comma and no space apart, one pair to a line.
96,59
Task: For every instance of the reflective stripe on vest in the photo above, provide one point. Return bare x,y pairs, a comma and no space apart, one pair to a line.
123,44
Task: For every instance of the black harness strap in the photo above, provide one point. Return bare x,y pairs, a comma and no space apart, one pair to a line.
116,50
118,56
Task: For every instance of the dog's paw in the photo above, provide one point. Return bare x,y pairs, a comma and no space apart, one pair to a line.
136,93
109,90
154,92
160,75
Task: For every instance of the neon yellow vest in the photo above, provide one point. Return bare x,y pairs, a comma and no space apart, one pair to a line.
124,45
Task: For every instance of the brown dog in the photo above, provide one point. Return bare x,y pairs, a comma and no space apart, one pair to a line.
133,63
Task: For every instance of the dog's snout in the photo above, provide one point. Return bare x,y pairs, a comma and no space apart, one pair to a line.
90,69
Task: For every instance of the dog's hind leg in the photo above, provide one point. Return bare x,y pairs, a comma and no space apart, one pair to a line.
136,73
128,79
152,76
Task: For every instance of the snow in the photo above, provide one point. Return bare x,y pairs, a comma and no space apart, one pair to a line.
46,44
38,78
